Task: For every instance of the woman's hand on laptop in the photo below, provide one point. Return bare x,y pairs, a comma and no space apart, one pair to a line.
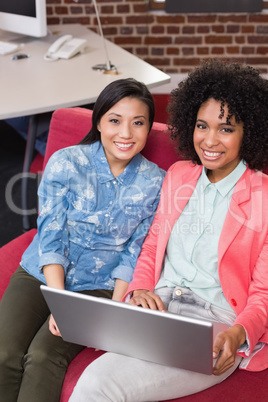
225,347
53,326
147,299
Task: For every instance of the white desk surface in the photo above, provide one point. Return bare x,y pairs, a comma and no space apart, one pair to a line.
33,85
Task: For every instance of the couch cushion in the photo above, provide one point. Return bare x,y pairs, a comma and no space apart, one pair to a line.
64,129
10,256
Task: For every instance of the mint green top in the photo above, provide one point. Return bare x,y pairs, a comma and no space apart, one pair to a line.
192,251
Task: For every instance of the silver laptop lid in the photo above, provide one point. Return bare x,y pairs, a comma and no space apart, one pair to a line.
159,337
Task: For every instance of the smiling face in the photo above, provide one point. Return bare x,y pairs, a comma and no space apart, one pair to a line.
124,130
217,141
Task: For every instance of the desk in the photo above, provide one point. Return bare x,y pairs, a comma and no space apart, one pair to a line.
34,86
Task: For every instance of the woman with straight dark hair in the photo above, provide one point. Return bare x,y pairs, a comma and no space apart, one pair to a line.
97,201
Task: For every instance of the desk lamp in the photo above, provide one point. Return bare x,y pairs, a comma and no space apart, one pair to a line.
107,67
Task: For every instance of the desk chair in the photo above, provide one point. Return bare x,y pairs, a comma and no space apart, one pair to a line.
68,127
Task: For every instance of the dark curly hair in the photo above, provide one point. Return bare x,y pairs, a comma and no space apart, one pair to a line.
241,89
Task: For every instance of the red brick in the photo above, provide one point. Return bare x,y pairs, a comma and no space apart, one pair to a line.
140,19
262,29
247,29
142,51
173,30
140,8
258,39
105,20
156,29
232,49
202,19
190,40
170,19
173,51
107,10
218,28
72,1
143,30
202,50
63,10
109,31
123,8
233,29
158,62
239,39
108,1
188,30
190,62
49,10
53,20
247,50
203,29
258,18
220,39
90,10
217,50
161,40
262,50
126,30
76,20
127,40
156,51
257,60
238,18
187,51
76,10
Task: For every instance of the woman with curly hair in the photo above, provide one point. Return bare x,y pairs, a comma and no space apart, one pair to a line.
212,209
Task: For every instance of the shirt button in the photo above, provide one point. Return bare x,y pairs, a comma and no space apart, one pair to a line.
178,292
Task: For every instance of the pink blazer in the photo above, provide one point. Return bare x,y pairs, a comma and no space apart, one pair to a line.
242,250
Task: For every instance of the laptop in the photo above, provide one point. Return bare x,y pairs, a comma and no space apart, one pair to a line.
159,337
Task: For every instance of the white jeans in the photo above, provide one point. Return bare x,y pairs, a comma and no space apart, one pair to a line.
117,378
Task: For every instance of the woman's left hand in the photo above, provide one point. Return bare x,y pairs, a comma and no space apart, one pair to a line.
225,347
53,326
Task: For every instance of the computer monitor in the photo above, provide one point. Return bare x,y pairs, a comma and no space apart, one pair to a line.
26,17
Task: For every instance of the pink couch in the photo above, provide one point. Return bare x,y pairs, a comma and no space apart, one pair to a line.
67,127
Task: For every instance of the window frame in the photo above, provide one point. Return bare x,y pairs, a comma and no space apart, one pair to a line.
156,5
160,5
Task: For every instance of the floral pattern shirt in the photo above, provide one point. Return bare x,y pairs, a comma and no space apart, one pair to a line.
91,222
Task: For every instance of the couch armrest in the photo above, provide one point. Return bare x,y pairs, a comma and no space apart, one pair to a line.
10,256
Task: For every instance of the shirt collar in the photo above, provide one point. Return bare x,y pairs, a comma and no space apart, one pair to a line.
226,184
103,168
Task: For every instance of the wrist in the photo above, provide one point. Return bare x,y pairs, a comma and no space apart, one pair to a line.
240,333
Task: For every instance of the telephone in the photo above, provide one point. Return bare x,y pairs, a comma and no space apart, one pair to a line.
65,47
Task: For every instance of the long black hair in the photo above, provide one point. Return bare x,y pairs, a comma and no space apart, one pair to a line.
113,93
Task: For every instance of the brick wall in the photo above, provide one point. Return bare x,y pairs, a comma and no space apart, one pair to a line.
174,43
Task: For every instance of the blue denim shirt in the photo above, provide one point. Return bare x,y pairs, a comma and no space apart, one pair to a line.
90,222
